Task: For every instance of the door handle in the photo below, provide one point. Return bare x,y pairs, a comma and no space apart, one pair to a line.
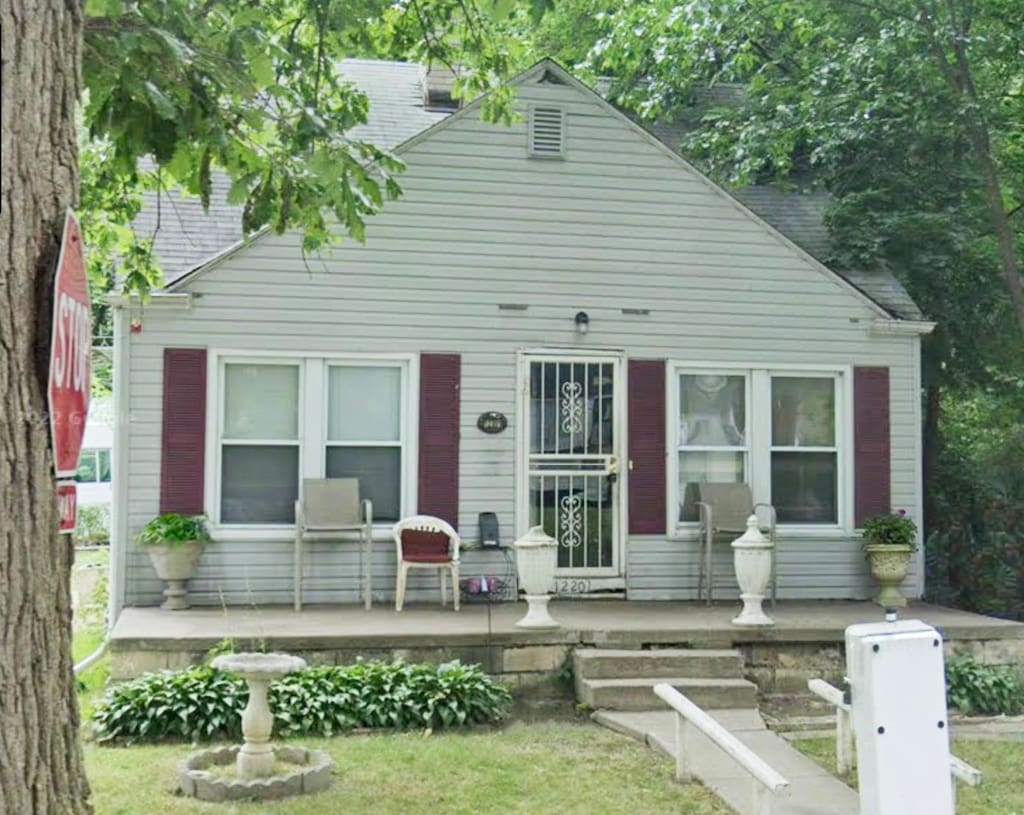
612,470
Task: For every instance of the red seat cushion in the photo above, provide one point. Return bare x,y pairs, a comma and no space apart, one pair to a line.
425,547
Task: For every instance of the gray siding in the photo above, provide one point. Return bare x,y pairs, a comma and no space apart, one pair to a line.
618,224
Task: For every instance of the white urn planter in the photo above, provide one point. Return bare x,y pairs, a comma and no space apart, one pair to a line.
175,563
536,557
752,556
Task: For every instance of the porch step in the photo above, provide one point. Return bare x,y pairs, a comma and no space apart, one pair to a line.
598,663
638,694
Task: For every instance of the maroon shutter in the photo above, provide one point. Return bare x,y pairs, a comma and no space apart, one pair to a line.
184,431
440,380
871,456
647,447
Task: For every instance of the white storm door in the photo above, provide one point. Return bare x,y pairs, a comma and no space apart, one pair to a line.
572,412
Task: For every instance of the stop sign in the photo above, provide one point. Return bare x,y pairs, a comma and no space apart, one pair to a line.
70,351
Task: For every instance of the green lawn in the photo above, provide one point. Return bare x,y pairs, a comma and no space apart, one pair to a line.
564,768
1001,763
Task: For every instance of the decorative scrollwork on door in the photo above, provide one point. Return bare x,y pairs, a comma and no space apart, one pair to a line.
572,407
570,521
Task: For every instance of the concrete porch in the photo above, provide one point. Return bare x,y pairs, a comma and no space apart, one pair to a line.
806,640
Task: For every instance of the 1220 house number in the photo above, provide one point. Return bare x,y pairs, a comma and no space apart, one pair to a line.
568,585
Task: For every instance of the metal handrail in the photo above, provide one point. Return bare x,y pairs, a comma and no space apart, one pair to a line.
960,769
691,714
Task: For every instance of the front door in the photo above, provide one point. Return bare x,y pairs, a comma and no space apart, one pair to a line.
572,411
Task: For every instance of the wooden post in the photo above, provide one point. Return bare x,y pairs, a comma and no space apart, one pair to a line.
764,798
683,772
844,741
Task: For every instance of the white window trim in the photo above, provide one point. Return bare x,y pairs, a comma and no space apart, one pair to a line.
312,430
675,448
759,441
95,452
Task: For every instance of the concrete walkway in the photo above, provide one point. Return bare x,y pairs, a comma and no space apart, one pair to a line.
812,789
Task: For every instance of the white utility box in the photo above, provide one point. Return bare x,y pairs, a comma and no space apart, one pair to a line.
899,717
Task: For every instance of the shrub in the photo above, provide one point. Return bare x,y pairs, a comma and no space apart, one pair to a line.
975,552
896,529
202,703
974,688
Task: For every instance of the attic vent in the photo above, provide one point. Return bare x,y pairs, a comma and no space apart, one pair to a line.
547,132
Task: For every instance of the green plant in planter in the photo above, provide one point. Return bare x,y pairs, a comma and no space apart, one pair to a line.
891,529
174,543
889,541
173,529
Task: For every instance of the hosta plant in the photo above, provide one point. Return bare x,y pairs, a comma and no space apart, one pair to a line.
173,528
199,704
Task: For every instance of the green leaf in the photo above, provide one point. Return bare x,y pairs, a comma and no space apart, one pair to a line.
104,8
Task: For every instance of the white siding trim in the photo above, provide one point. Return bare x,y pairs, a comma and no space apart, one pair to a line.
893,327
918,448
122,439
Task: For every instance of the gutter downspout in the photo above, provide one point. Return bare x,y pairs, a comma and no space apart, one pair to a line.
119,492
119,504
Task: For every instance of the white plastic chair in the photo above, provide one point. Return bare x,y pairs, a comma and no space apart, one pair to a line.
724,509
332,505
418,547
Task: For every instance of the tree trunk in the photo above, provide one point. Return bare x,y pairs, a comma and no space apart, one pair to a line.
41,769
1000,219
933,407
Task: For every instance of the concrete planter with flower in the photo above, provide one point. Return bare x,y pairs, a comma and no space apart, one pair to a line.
889,542
174,543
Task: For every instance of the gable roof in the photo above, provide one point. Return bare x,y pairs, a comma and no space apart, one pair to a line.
186,237
189,239
798,212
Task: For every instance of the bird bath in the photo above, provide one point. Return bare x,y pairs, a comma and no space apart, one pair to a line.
255,760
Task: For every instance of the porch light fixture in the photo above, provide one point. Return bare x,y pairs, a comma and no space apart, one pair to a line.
582,321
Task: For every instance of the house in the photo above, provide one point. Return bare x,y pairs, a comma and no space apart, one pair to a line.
94,473
635,328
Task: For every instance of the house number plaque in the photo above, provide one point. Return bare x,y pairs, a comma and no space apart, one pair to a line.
492,422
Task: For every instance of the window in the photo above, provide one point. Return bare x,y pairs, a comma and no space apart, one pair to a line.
364,433
94,466
779,431
804,455
260,443
284,420
712,434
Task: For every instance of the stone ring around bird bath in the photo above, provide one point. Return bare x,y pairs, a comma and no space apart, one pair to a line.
255,760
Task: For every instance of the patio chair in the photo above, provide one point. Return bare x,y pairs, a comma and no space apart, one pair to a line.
724,509
330,505
426,542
